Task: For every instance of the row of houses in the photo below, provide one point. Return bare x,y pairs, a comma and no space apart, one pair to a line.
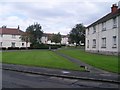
103,36
11,37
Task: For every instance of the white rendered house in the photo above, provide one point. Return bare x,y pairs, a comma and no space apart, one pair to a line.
46,39
11,37
102,36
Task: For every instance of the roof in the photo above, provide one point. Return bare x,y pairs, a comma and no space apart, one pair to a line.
11,31
106,17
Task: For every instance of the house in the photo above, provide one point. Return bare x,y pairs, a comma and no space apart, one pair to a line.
11,37
46,39
64,40
102,35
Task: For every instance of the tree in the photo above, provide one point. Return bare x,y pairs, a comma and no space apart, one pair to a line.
77,34
25,37
35,33
56,38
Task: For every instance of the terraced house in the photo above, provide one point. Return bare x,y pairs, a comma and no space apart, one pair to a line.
102,36
11,37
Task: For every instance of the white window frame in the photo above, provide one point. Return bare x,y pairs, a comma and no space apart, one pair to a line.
13,36
114,41
115,22
1,35
12,44
23,44
88,43
88,31
104,26
1,44
103,42
94,29
94,43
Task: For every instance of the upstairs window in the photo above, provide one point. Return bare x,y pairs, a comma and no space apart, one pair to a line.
94,43
103,42
114,41
88,31
13,36
0,44
104,26
115,22
1,35
94,29
87,43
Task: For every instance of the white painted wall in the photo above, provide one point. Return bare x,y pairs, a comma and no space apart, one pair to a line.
109,33
64,40
8,39
45,40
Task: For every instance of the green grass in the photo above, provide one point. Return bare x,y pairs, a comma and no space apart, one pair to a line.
42,58
108,63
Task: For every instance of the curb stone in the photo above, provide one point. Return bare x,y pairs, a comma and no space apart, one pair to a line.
63,76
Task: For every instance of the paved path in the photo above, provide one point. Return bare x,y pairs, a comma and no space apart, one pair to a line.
113,78
80,63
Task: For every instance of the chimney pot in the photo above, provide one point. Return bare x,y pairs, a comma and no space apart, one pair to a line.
114,8
18,27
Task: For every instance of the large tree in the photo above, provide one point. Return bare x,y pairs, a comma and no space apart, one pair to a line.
77,34
35,33
56,38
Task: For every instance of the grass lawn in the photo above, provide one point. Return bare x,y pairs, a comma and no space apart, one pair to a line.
42,58
108,63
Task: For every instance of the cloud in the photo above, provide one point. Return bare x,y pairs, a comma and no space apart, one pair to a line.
53,15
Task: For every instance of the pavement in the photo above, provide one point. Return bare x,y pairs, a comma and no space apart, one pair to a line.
103,77
13,79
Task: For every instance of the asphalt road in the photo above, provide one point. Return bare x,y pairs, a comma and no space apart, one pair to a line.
12,79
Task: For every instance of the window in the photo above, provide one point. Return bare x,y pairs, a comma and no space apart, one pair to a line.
94,29
88,31
1,35
114,42
114,22
104,26
0,44
103,42
13,44
22,44
13,36
87,43
94,43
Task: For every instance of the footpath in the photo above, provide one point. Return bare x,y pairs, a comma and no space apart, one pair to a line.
103,77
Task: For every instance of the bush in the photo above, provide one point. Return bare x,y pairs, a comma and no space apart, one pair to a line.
13,48
2,48
44,46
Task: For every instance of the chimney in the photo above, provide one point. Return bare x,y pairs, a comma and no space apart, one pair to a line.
114,8
18,27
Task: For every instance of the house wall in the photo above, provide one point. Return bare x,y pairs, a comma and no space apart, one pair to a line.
8,39
64,40
109,33
119,33
45,40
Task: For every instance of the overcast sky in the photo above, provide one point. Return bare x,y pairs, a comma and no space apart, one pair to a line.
53,15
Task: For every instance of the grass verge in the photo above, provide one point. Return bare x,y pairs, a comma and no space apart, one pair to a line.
41,58
108,63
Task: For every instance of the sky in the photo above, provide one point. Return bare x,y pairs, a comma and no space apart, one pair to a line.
53,15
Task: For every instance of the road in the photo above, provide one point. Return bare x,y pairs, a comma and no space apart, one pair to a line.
12,79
